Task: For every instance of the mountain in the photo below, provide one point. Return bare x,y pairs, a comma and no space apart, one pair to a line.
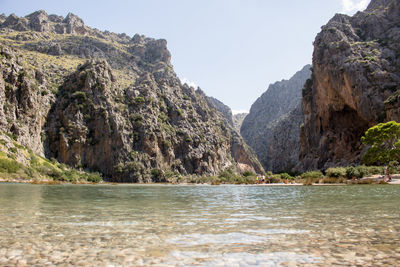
355,84
238,120
221,107
272,126
108,102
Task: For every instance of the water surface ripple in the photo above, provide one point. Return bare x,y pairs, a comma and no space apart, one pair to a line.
136,225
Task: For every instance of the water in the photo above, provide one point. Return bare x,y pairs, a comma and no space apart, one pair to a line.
125,225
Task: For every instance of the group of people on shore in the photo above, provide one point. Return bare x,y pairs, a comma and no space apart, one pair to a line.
261,179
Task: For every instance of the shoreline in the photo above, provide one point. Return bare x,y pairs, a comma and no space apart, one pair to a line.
52,182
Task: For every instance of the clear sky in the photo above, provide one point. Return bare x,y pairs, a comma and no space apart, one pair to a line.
232,49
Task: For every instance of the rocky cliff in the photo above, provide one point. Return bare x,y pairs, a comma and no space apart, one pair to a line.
107,102
354,85
272,126
238,120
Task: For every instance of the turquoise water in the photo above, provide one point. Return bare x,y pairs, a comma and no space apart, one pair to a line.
130,225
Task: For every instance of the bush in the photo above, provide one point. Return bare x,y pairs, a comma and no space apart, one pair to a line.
333,180
227,173
287,176
248,173
336,172
275,179
52,172
352,172
138,100
157,175
94,177
312,174
9,166
376,170
311,177
393,166
362,171
79,96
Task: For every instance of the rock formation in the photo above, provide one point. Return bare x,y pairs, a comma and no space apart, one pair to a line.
272,126
110,103
221,107
354,82
238,120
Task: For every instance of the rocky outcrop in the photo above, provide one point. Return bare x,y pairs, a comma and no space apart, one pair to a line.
240,150
238,120
39,21
392,106
355,70
272,126
221,107
110,103
24,100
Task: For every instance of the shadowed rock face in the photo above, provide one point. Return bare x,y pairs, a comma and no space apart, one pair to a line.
110,103
355,70
272,126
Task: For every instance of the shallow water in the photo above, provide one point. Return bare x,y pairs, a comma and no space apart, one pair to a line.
128,225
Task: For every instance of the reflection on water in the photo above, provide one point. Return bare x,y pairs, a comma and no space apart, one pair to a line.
199,225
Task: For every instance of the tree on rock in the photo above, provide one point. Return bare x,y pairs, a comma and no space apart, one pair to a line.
384,142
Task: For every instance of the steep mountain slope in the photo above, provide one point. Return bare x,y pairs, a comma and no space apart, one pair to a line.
238,120
272,126
107,102
355,70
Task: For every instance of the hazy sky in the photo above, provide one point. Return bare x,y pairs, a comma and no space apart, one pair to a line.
232,49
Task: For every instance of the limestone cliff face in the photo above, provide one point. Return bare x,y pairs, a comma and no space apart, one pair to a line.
238,120
239,149
107,102
355,70
221,107
272,126
24,100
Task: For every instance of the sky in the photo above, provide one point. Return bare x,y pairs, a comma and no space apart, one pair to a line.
231,49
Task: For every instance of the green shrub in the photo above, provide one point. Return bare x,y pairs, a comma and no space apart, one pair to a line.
165,144
30,172
79,96
163,117
333,180
275,179
157,175
227,173
336,172
9,166
362,171
138,100
94,177
352,172
312,174
135,117
393,166
52,172
248,173
13,149
373,170
287,176
311,177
